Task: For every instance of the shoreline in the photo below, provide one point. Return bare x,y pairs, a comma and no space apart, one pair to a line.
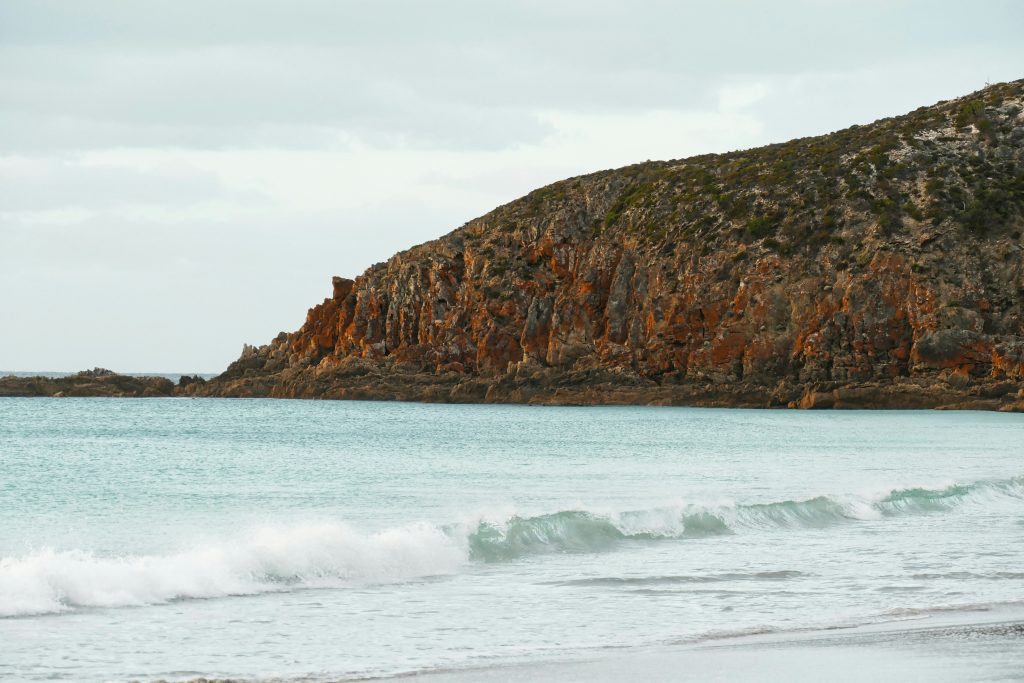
563,390
941,645
900,649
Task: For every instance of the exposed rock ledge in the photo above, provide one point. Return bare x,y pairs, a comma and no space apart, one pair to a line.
543,387
95,382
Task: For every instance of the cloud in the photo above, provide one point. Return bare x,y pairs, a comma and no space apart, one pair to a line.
736,97
312,74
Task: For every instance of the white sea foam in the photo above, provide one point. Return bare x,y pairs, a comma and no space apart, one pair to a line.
265,560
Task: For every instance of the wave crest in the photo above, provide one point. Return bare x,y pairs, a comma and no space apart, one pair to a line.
332,554
267,560
576,531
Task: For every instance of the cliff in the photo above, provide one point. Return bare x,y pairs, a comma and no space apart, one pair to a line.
879,266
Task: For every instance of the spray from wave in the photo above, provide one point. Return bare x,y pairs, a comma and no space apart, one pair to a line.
268,560
333,554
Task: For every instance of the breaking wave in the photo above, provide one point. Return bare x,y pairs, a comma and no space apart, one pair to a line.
574,531
333,554
267,560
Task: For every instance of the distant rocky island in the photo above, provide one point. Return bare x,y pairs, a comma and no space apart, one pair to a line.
881,266
95,382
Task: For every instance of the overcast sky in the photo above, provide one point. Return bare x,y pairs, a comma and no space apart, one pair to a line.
179,177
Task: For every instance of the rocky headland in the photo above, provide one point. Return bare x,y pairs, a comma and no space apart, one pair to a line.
881,266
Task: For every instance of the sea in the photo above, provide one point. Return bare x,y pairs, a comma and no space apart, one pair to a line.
314,541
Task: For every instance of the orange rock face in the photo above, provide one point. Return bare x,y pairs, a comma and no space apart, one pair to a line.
872,266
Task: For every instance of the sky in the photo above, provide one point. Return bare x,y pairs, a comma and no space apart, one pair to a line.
180,177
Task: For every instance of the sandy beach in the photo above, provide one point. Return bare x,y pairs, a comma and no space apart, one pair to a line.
982,645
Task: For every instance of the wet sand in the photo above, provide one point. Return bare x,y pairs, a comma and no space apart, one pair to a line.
973,646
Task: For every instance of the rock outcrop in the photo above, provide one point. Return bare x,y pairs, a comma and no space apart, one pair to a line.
95,382
879,266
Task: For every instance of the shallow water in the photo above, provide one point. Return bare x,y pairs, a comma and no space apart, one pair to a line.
173,538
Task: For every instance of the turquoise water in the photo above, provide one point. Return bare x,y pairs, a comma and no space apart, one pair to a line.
171,538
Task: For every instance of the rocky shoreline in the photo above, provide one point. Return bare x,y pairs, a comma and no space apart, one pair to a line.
92,383
605,388
568,390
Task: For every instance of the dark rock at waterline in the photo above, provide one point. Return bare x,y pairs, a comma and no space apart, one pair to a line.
96,382
187,380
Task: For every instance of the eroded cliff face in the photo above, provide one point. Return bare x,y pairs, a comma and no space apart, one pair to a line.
878,266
